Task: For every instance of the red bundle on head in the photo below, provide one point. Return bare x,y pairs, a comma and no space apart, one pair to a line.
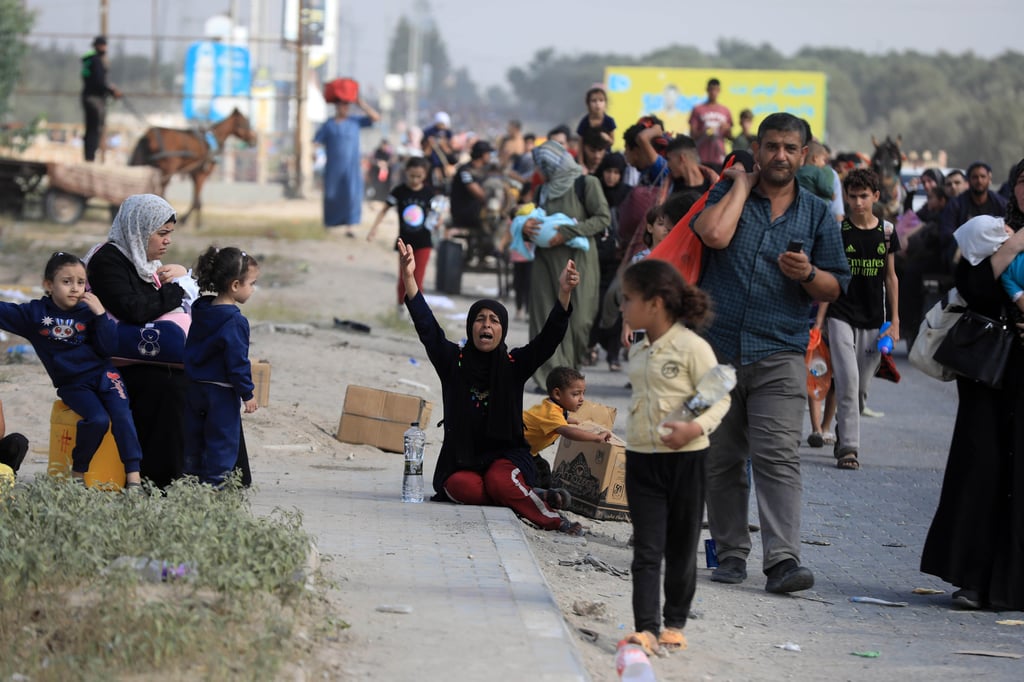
341,90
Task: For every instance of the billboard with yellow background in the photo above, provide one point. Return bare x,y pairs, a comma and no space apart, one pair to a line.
670,94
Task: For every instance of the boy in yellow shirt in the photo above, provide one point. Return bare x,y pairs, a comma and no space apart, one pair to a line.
546,421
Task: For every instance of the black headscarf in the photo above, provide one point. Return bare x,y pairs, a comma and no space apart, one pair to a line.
485,377
935,174
1014,215
617,194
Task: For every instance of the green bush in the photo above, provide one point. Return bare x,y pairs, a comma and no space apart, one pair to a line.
64,613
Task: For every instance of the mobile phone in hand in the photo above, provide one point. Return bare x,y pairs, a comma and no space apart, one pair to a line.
795,245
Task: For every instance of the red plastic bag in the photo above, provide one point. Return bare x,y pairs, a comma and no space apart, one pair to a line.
819,367
341,90
887,370
682,248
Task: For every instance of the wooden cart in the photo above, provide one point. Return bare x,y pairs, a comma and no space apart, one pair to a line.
71,186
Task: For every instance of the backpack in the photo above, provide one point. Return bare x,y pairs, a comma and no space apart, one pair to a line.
608,241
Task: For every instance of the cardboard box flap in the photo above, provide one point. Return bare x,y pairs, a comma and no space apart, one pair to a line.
374,403
593,427
596,413
379,418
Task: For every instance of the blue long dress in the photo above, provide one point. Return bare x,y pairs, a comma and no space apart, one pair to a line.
343,177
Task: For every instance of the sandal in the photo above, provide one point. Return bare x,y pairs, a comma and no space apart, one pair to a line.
614,366
672,639
646,640
848,461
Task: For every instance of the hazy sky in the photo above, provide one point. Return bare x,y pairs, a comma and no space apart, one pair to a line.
488,38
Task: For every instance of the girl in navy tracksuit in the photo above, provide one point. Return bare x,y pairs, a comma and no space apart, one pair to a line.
74,338
217,364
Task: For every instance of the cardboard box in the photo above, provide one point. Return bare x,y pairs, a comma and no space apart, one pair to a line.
380,418
595,473
261,382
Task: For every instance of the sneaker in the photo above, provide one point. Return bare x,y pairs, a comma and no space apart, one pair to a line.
788,576
874,414
815,440
731,570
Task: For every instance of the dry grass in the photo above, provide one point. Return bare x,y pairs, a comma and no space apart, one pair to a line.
65,613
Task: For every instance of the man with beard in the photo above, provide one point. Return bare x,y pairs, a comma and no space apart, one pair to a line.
977,200
772,248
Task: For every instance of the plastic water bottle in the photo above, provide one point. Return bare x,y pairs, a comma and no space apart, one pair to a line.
631,663
412,482
154,570
711,388
22,350
818,366
884,342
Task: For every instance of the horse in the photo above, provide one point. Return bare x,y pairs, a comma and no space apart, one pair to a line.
887,162
191,152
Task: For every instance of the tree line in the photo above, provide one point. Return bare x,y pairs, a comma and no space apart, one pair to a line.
968,105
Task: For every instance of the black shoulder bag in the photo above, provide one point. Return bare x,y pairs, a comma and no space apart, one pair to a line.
978,347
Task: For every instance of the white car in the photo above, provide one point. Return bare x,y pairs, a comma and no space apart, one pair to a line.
911,179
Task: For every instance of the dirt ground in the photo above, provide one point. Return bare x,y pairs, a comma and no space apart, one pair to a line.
304,285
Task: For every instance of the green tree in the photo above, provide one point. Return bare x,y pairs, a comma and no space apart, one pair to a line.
15,23
433,53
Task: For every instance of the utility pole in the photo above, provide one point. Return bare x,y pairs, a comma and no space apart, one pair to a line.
299,190
104,17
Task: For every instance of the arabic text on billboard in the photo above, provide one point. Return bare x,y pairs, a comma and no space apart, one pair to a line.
670,94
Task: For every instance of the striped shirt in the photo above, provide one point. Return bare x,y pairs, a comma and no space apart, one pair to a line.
758,310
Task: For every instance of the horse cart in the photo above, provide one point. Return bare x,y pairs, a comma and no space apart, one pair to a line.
69,187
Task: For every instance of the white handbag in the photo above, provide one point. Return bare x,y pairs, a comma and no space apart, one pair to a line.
934,327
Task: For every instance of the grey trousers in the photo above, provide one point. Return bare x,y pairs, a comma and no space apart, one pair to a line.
854,361
764,423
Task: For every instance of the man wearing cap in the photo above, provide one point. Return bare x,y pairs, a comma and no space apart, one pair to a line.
437,147
95,90
467,195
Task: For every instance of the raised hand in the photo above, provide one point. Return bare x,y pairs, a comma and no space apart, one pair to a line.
93,302
570,277
407,269
568,280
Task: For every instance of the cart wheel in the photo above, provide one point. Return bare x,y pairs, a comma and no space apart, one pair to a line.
63,207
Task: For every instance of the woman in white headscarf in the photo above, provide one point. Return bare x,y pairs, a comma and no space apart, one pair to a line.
136,287
585,202
976,539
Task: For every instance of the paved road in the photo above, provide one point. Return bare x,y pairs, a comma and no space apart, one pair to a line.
863,532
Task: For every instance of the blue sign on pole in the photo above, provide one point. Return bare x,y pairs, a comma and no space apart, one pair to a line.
216,76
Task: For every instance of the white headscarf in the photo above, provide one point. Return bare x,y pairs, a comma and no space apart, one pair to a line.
139,217
980,237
